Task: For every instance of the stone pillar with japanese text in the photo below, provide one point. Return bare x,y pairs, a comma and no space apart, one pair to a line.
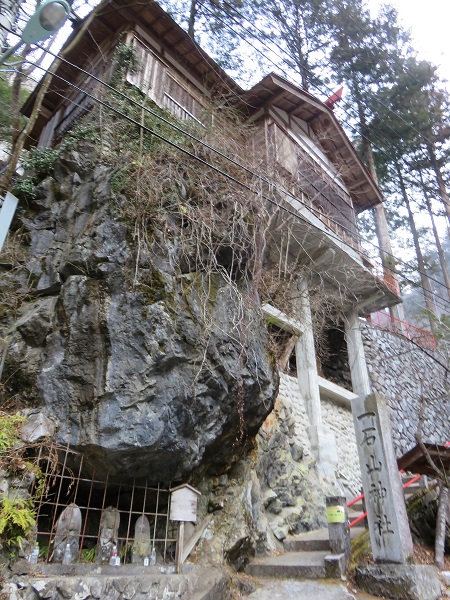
390,535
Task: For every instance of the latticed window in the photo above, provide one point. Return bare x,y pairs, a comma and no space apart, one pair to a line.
155,80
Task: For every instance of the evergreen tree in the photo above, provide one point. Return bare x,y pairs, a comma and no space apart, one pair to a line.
214,24
300,29
362,57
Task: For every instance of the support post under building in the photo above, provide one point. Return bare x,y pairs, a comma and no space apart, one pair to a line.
323,441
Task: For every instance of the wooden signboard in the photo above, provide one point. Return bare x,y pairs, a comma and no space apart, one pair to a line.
183,504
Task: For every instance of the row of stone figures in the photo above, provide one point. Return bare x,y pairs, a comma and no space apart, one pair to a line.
68,531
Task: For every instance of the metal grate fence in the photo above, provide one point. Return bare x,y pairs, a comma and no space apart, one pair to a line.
64,485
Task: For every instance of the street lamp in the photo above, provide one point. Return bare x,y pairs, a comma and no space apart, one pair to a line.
47,19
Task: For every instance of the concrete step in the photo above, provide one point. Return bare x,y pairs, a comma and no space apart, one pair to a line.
317,540
357,531
352,515
290,565
308,542
412,489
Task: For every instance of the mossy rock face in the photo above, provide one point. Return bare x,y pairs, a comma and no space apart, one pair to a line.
153,287
150,371
422,513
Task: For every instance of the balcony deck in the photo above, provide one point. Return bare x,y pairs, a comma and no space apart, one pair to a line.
309,240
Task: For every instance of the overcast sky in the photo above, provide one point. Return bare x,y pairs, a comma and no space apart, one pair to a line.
429,21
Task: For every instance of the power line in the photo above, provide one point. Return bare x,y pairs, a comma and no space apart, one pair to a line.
241,166
351,232
329,89
234,179
228,176
313,209
224,156
188,134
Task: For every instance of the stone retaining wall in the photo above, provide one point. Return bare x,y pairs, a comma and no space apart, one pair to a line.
336,418
403,373
289,396
88,582
340,421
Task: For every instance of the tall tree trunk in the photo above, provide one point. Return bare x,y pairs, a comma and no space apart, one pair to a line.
440,180
379,215
440,250
427,292
192,17
9,9
441,520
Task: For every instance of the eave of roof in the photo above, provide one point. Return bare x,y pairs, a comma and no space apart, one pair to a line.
277,91
111,17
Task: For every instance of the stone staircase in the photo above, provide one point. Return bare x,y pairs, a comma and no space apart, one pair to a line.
308,555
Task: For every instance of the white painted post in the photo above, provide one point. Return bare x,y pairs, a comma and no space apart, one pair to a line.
323,441
6,216
306,360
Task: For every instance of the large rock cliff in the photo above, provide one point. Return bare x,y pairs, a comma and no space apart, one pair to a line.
140,370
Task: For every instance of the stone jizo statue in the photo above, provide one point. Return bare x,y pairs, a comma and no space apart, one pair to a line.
142,541
68,528
109,531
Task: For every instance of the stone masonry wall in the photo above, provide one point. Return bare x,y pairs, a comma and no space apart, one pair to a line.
336,418
340,421
403,373
289,395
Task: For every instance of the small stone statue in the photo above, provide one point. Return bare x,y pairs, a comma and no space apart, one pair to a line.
68,528
109,531
142,543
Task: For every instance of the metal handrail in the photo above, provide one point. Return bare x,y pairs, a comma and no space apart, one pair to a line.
420,336
361,496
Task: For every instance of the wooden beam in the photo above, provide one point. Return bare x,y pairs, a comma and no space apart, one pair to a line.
196,535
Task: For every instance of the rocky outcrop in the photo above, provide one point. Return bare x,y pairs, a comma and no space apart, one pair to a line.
422,513
118,347
272,493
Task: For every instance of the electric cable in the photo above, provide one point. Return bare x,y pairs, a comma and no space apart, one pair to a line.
294,214
319,212
339,224
91,75
236,163
283,191
190,135
240,183
377,136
